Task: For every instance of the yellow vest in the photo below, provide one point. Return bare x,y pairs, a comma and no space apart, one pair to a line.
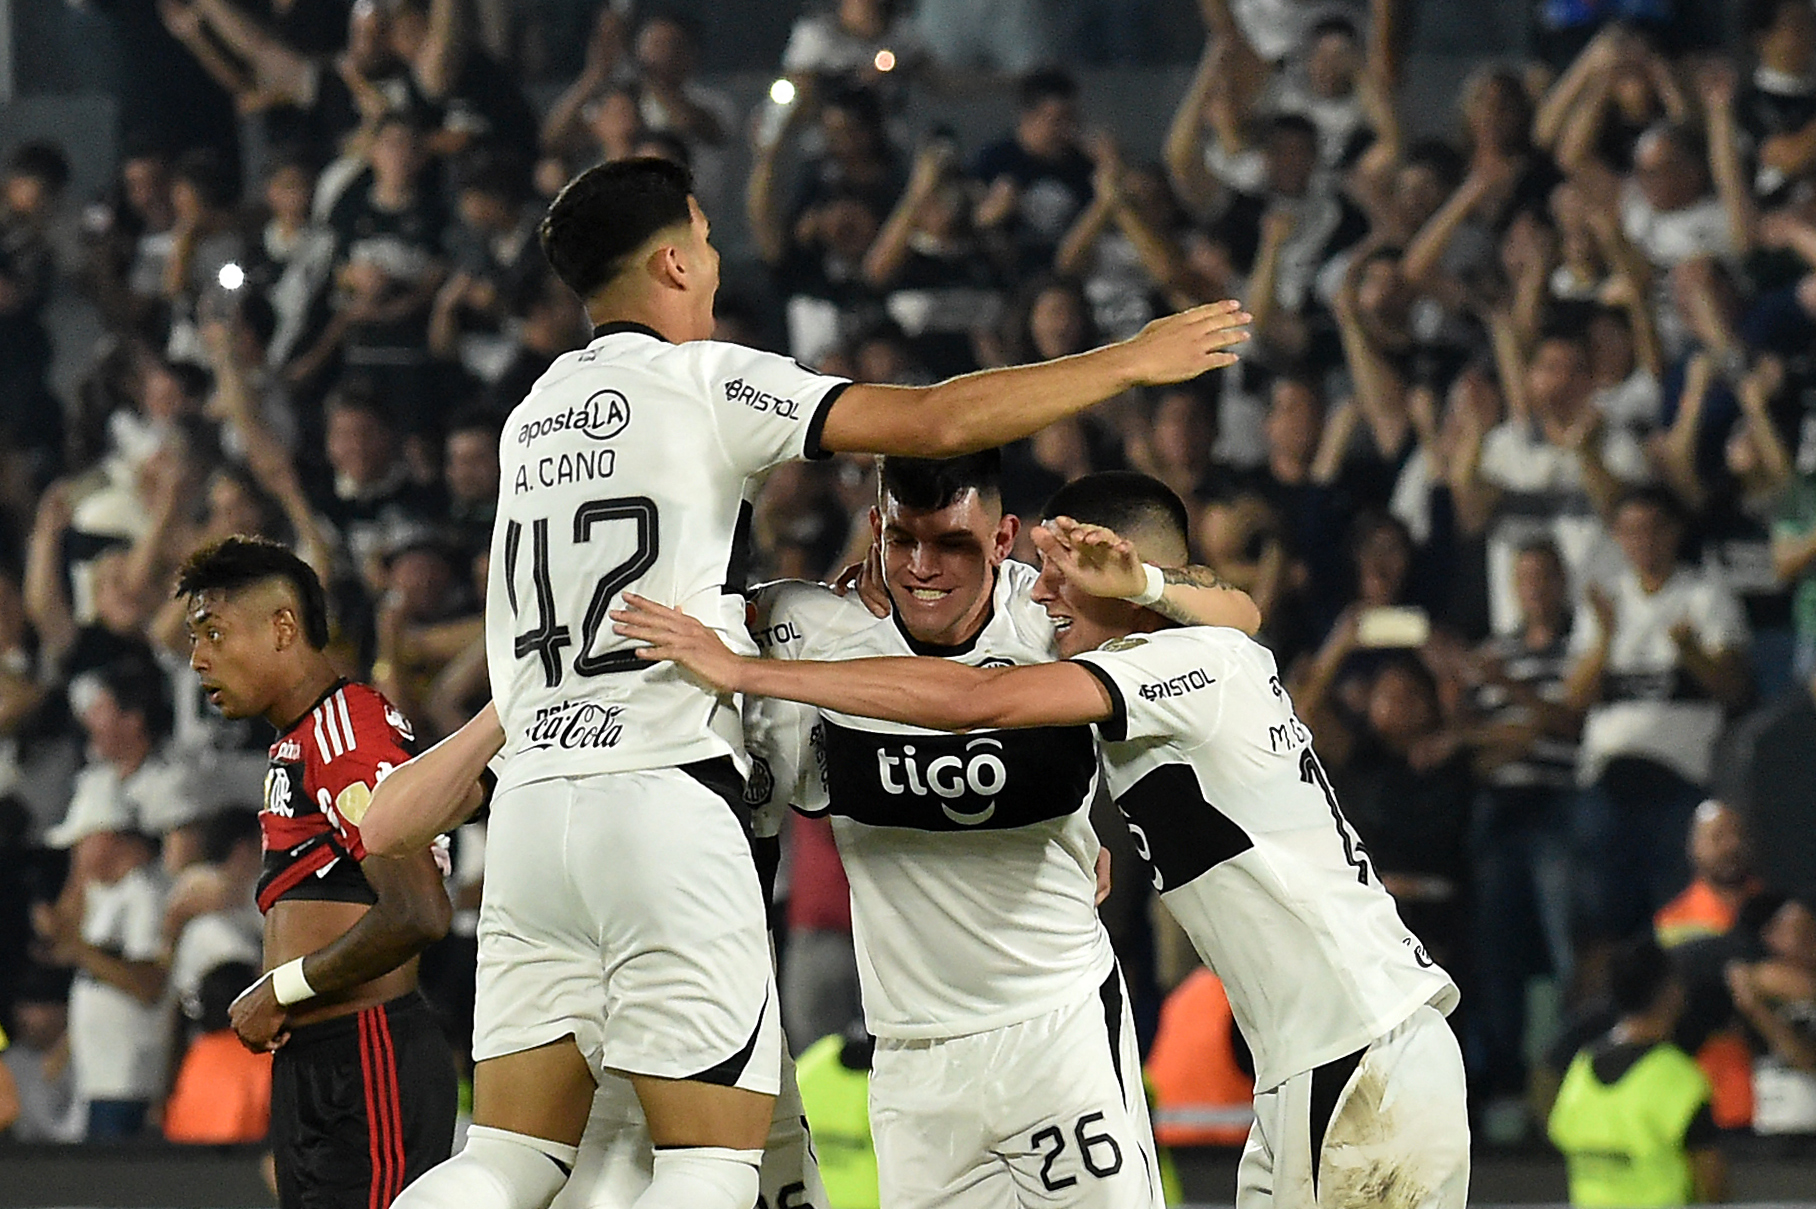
837,1102
1624,1142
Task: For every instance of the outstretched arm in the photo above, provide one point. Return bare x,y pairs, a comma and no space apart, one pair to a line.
435,792
996,406
935,693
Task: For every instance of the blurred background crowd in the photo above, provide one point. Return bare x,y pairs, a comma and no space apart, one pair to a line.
1520,463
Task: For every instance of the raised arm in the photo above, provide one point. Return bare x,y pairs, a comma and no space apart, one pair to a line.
443,51
1717,85
1104,564
935,693
996,406
889,250
1184,150
435,792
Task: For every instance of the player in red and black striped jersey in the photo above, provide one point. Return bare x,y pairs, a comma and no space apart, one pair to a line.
363,1091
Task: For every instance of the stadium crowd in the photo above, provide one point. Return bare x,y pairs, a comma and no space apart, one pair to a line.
1520,466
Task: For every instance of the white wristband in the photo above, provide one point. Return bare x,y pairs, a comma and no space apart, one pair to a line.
1157,586
289,984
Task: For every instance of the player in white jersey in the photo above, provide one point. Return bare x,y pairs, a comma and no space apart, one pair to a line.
428,796
1359,1081
1006,1069
623,929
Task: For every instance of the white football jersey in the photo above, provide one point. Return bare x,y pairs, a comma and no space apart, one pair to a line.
624,468
971,857
1249,850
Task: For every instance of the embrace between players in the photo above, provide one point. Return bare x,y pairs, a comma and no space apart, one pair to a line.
626,1026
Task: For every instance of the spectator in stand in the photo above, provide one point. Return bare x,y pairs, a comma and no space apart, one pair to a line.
937,280
479,98
30,417
222,1092
546,321
206,235
673,102
1037,176
496,261
873,42
1777,107
1660,661
39,1061
1523,735
1777,998
1721,878
105,926
211,915
427,617
469,467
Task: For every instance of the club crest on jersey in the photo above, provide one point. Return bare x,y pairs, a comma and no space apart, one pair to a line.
760,786
576,726
981,771
1127,642
277,793
398,722
740,391
602,416
290,751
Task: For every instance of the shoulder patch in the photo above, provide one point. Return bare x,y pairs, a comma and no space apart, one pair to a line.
1127,642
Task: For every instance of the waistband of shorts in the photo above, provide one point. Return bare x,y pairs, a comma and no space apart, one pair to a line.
406,1011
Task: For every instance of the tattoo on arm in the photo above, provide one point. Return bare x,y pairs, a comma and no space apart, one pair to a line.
1194,577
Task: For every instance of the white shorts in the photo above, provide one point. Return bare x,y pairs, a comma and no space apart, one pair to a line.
616,1161
1050,1111
1388,1126
624,910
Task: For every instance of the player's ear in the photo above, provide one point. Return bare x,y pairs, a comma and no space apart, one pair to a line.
667,266
876,524
284,628
1007,530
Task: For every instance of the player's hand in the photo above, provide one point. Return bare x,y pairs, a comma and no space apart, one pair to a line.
258,1017
867,579
673,635
1182,346
1103,876
1092,557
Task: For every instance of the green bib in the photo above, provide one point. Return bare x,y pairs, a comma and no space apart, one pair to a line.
837,1102
1624,1142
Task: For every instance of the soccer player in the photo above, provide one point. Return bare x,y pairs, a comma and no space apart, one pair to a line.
363,1090
1359,1082
623,927
972,864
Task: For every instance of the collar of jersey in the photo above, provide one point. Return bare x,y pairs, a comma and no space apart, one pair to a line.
332,689
619,326
949,652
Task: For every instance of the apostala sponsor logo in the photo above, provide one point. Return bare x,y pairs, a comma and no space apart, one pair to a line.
602,416
576,726
740,391
1178,686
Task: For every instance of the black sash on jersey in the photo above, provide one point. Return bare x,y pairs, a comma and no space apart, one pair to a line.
992,782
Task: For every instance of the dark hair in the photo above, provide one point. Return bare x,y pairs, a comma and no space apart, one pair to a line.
219,987
1656,498
860,102
670,15
226,830
1638,974
239,562
1123,500
138,687
929,484
1408,664
603,215
1336,23
1544,547
1372,521
259,316
358,393
1292,124
1440,159
1045,84
203,170
474,418
1564,331
40,160
494,172
1686,138
1301,376
1762,15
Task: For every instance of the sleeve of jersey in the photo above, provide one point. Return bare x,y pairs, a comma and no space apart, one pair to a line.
1156,684
360,739
791,620
769,409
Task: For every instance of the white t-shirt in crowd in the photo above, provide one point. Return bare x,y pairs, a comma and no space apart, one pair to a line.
1650,706
118,1044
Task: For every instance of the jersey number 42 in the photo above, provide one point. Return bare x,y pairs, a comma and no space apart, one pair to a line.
549,635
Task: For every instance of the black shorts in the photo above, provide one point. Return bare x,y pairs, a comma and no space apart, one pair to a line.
361,1105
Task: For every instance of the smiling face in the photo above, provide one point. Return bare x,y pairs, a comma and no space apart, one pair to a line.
238,643
940,565
1081,622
